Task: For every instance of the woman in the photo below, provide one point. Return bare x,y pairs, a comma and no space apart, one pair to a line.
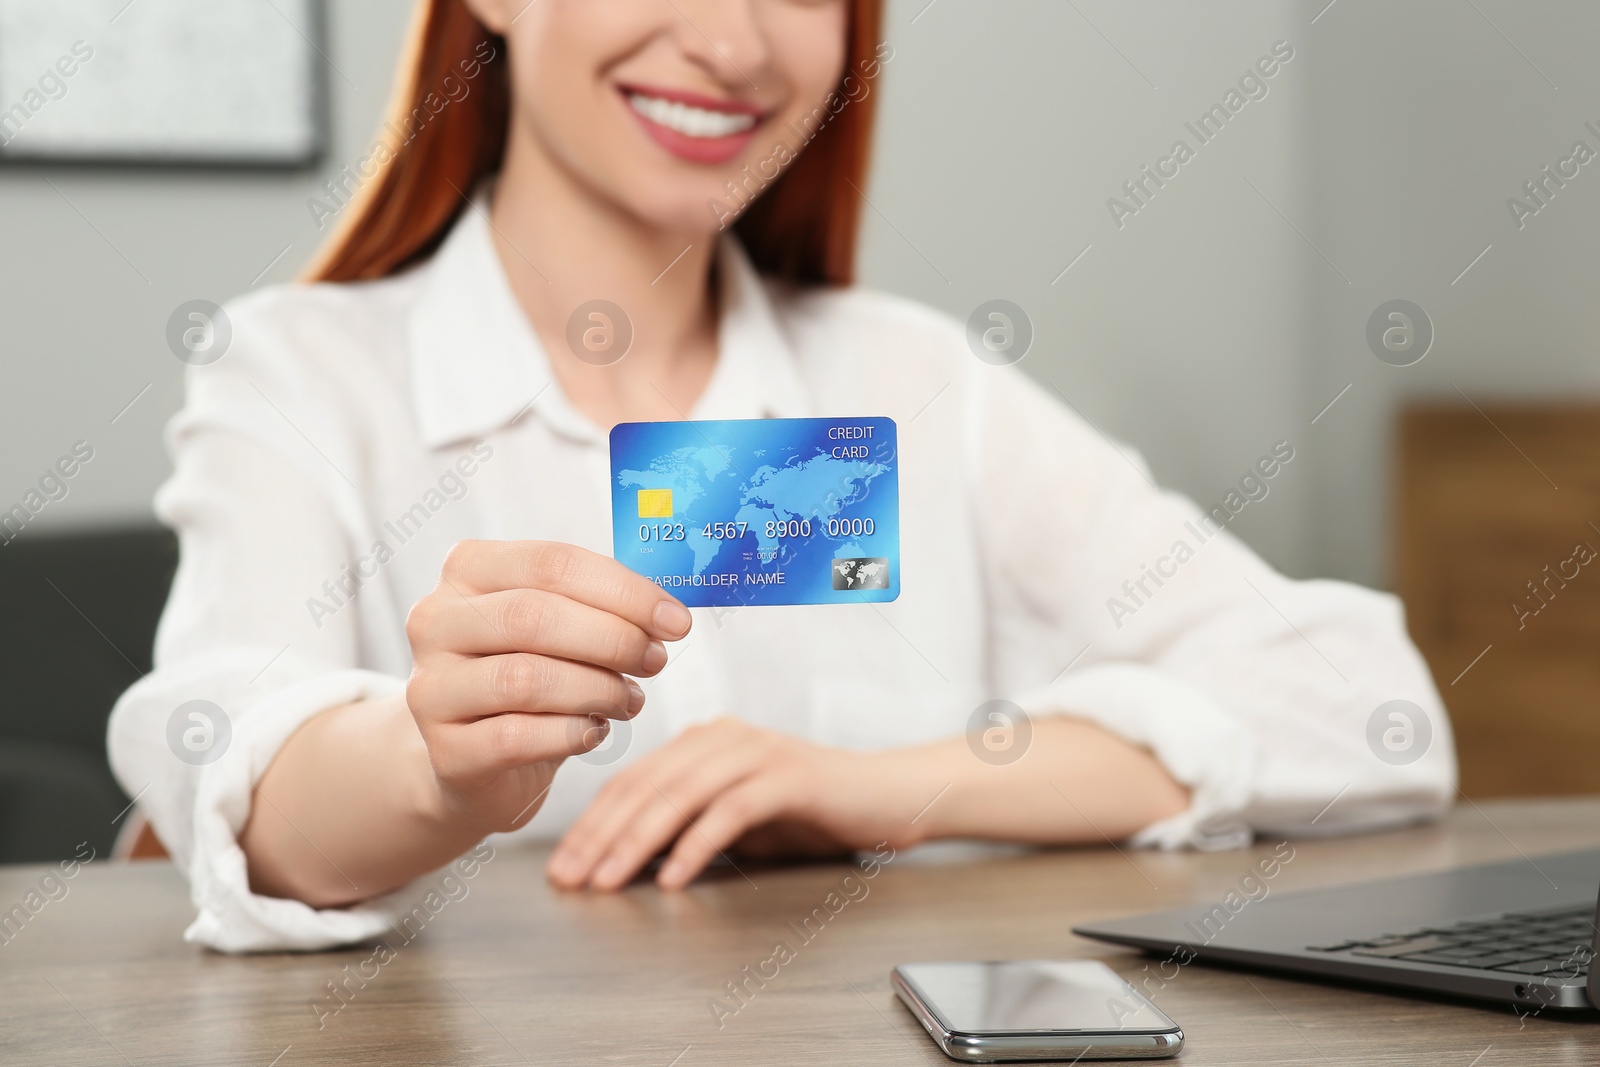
393,500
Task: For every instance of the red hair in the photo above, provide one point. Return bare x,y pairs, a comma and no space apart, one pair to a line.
802,228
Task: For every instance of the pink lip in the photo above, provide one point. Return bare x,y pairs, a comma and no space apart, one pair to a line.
694,149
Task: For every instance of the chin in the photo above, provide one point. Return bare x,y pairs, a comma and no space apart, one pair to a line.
681,207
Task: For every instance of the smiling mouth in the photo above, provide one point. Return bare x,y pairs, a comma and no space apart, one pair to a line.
697,122
696,129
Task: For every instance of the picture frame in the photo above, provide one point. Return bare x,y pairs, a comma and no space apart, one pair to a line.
168,83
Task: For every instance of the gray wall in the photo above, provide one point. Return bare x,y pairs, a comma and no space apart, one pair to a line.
93,261
1425,120
1207,327
1213,322
1007,128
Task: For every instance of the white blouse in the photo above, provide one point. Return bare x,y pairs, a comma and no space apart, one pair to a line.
1040,565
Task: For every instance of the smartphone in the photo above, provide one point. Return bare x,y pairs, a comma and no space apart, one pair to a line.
1004,1012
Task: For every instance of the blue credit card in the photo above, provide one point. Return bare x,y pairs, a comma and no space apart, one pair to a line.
760,511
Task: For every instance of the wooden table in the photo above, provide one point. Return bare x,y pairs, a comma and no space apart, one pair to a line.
514,973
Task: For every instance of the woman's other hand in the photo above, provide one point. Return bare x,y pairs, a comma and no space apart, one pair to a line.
729,786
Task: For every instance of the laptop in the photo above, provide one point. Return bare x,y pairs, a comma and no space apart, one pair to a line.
1521,932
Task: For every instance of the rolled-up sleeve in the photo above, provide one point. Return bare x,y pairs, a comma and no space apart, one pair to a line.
1257,692
260,531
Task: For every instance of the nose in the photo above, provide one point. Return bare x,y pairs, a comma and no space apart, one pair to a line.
726,37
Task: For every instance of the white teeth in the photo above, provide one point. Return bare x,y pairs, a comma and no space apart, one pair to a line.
690,121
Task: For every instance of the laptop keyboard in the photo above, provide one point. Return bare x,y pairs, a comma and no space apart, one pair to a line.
1521,943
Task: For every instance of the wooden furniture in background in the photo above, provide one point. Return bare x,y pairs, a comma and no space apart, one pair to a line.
509,971
1498,508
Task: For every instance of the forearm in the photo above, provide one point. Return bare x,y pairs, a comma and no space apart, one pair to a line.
348,810
1075,783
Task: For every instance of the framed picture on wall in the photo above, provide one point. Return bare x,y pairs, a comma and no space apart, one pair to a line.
163,82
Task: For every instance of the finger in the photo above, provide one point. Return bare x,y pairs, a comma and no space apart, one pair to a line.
465,753
670,807
457,690
588,577
666,810
704,758
533,620
751,803
649,833
619,804
628,790
589,838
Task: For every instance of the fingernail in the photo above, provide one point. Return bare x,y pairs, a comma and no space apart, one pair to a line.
635,696
596,733
655,657
672,618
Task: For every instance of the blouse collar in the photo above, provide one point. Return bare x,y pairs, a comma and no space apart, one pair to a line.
477,364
